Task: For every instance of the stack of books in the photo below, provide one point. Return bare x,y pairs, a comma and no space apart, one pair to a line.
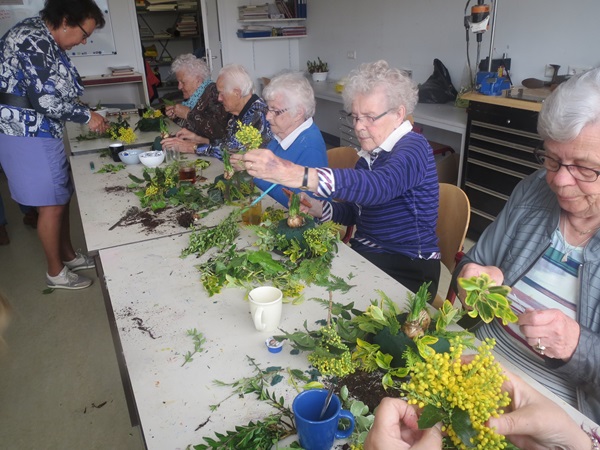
253,12
161,5
187,25
117,71
293,31
186,4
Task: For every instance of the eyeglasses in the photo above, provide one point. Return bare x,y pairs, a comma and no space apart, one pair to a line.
367,120
85,33
553,165
277,112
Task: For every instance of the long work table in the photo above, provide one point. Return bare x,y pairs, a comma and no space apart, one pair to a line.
153,297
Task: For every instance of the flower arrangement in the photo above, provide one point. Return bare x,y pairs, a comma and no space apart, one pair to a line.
152,120
317,66
248,136
463,396
122,131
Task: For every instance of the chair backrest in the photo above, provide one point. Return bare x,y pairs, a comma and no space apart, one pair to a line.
342,157
454,213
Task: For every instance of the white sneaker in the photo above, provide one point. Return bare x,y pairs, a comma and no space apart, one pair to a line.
68,280
80,262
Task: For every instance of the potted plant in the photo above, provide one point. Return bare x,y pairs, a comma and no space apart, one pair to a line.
318,69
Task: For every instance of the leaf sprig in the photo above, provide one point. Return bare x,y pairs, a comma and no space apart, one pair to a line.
486,299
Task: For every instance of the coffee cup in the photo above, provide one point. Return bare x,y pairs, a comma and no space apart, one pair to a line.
265,307
114,151
316,432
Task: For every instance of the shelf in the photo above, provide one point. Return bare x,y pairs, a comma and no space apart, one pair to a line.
271,38
172,11
271,20
172,38
159,63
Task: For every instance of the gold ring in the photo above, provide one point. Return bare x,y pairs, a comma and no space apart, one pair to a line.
250,166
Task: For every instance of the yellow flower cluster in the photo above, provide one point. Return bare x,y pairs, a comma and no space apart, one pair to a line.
445,383
126,135
151,113
339,364
151,190
248,136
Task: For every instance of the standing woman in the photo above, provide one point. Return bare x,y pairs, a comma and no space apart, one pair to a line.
200,112
39,90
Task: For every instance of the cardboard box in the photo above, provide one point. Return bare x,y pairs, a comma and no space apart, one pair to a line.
447,167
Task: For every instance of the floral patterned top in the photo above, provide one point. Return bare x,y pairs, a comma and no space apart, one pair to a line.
255,114
32,65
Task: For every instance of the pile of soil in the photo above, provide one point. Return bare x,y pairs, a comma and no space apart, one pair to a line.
367,387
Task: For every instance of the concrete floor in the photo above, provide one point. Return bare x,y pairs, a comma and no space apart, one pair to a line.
60,386
59,381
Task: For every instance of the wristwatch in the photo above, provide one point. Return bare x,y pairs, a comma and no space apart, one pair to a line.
304,186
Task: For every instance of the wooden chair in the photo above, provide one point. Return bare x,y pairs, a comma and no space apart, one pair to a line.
343,158
454,214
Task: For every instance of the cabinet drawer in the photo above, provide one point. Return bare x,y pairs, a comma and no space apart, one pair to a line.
503,163
484,199
511,118
492,177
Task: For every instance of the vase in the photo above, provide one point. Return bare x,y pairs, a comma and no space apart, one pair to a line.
319,76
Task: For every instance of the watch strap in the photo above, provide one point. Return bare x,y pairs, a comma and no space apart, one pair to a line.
304,186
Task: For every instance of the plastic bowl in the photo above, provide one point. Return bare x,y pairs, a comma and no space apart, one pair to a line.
131,156
153,158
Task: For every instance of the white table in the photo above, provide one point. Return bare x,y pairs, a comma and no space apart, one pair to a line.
144,138
154,297
148,282
100,209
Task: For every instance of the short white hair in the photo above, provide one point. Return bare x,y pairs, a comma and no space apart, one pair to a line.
295,91
192,65
235,76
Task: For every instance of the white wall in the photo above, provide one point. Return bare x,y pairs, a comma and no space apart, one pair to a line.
127,42
411,33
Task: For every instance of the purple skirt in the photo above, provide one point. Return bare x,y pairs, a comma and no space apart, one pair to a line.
37,170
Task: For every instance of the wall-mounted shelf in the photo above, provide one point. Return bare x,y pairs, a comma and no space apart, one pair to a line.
268,38
271,20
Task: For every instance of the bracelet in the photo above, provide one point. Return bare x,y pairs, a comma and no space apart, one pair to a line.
304,186
594,439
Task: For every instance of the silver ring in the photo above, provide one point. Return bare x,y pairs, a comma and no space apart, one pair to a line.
539,347
250,166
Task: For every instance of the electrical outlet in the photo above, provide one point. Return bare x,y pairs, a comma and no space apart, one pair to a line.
351,54
573,70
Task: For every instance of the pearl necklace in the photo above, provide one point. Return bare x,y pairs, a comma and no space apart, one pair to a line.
568,247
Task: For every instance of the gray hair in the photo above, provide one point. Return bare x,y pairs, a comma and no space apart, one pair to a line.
192,65
572,106
399,89
295,90
235,76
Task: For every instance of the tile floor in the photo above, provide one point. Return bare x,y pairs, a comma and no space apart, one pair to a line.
59,381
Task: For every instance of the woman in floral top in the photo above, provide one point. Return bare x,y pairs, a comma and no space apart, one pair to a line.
236,92
39,90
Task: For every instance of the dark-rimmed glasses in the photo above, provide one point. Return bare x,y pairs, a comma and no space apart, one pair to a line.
277,112
367,120
85,33
553,165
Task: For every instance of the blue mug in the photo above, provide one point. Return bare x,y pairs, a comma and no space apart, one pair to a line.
318,434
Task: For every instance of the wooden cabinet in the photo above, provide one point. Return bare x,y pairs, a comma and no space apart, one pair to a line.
498,154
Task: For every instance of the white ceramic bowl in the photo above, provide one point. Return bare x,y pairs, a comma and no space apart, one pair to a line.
131,156
153,158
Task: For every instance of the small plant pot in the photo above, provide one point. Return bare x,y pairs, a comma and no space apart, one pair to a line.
319,76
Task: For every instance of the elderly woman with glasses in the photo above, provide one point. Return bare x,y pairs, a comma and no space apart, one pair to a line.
236,93
392,194
545,244
200,112
291,105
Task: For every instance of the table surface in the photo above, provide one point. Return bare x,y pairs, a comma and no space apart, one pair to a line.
144,138
156,297
101,209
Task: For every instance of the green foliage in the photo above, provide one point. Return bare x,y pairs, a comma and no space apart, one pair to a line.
198,340
330,355
363,418
111,168
220,236
317,66
487,299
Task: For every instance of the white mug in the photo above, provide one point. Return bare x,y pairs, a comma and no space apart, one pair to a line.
265,307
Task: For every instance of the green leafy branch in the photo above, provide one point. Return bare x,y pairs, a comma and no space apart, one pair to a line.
198,340
111,168
487,300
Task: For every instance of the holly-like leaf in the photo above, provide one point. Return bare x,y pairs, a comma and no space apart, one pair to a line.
463,427
430,416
